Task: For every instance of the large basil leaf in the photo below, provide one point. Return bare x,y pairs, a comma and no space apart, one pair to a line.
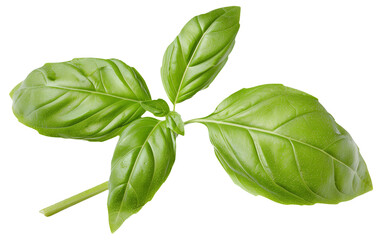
281,143
199,52
142,161
86,98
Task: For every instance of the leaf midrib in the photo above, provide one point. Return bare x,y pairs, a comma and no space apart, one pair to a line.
229,146
193,54
278,135
83,91
132,170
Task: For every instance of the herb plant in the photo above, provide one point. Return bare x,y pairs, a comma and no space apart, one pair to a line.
272,140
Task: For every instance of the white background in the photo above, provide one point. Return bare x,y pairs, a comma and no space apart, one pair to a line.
330,49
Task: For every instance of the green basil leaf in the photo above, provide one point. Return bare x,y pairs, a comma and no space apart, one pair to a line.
157,107
86,98
142,161
175,123
281,143
199,52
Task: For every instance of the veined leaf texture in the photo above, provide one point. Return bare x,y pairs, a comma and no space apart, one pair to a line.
142,161
281,143
86,98
199,52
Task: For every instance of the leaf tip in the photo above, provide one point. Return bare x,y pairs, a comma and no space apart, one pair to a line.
369,184
113,228
114,224
236,9
116,219
15,89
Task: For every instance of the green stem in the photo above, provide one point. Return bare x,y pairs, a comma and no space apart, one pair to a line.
64,204
191,121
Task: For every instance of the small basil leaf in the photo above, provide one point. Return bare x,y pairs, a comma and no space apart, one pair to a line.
192,61
175,123
157,107
281,143
86,98
141,163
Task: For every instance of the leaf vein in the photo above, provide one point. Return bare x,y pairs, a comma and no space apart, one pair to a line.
300,172
277,135
82,91
46,104
192,56
267,169
135,164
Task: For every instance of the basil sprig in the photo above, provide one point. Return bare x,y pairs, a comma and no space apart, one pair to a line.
272,140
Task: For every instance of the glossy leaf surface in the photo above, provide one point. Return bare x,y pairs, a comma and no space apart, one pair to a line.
199,52
142,161
157,107
86,98
281,143
175,123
